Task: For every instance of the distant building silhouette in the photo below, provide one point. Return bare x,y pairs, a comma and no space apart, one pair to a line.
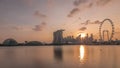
79,40
10,42
69,40
58,37
33,43
91,39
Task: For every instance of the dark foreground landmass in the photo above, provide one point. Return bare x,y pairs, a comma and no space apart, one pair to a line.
1,45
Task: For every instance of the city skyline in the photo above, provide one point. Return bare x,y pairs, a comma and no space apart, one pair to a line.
38,19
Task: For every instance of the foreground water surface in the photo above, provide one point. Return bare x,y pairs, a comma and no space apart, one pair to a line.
73,56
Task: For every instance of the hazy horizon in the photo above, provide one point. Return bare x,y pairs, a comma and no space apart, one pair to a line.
38,19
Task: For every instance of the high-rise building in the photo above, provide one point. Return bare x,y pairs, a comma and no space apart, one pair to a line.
91,39
70,39
78,39
58,37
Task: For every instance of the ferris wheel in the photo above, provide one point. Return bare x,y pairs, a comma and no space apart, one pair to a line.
101,32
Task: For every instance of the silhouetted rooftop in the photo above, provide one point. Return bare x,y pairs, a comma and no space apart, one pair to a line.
10,41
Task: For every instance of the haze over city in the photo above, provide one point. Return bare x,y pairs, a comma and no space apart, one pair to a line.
38,19
59,33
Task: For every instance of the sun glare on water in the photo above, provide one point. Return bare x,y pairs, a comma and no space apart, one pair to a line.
81,52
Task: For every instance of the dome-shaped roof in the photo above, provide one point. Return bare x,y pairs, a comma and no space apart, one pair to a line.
10,42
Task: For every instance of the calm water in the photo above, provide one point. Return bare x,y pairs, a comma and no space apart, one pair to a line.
76,56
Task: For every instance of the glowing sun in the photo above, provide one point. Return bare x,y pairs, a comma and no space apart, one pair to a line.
82,35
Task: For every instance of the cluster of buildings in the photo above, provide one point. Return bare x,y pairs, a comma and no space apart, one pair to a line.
59,39
88,39
13,42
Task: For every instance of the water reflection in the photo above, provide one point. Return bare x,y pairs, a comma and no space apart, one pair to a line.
82,53
58,53
60,57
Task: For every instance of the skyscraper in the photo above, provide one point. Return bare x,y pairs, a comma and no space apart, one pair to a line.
58,37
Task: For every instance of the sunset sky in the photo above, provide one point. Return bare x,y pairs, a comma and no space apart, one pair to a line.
38,19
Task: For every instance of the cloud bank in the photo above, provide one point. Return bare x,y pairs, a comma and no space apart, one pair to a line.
78,2
80,5
39,14
87,22
39,27
83,29
73,12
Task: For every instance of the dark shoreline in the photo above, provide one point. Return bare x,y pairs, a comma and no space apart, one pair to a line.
61,45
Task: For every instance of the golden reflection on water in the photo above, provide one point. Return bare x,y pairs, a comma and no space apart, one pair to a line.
81,53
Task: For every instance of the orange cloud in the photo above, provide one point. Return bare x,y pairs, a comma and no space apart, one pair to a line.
83,28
